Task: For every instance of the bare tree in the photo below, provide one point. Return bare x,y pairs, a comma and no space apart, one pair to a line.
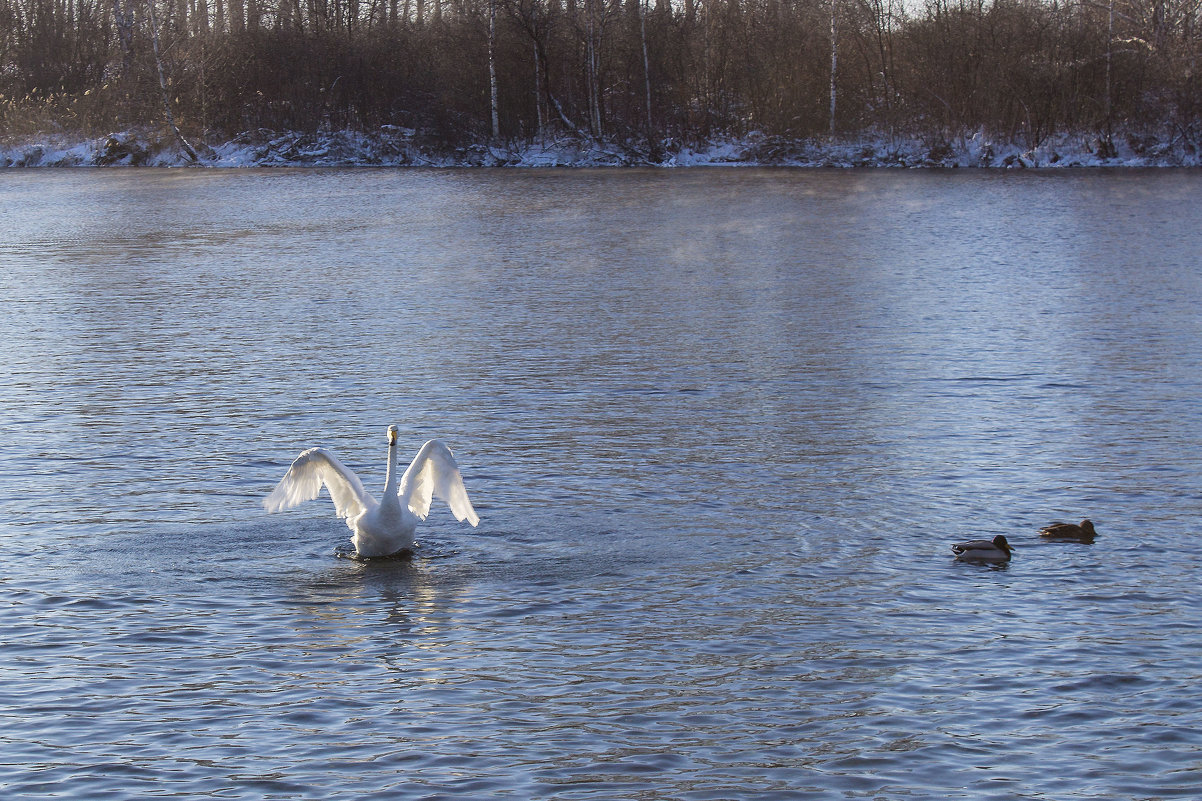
834,62
166,95
605,70
492,67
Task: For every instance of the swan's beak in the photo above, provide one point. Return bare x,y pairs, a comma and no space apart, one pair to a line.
392,435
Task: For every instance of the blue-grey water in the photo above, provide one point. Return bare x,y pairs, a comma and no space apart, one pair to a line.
721,428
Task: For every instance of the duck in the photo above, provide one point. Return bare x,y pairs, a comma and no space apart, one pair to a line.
1070,531
994,550
386,527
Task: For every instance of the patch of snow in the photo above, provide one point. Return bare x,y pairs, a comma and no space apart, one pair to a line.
395,146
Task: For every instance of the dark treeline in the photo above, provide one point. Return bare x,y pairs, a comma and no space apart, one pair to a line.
635,71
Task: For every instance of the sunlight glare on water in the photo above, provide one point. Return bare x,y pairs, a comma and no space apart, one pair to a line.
721,427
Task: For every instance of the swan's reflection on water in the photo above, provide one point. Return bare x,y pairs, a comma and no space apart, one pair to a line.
394,597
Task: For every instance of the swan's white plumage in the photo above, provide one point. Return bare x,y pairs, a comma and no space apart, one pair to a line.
385,527
434,472
309,472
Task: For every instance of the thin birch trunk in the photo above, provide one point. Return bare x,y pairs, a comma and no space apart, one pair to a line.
646,62
492,67
158,62
538,93
834,64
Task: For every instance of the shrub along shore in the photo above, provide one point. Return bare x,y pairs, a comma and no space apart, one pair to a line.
499,82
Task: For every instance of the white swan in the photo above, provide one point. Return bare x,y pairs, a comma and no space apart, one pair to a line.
384,528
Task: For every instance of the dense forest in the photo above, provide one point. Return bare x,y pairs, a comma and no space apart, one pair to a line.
637,72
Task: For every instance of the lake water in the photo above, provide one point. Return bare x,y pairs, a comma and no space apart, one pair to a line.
721,427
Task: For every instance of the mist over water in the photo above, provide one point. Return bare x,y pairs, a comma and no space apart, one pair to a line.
720,426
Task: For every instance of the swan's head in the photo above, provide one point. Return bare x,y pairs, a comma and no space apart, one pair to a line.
392,432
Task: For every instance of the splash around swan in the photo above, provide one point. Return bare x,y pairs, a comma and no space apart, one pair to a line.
385,527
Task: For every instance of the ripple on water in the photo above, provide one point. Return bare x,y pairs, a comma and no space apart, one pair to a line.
719,458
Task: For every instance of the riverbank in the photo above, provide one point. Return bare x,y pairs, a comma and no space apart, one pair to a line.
392,146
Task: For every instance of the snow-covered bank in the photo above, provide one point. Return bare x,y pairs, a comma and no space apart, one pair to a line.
393,146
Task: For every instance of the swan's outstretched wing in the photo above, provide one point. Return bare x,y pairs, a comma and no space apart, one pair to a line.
308,473
434,473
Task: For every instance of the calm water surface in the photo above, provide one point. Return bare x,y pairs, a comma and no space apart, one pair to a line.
720,426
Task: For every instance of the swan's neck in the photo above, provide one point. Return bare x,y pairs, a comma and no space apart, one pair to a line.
391,478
